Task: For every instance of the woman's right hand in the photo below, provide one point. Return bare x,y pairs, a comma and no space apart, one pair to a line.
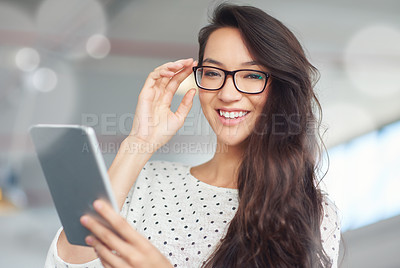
154,123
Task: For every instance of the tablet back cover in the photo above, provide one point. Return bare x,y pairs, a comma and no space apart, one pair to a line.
73,174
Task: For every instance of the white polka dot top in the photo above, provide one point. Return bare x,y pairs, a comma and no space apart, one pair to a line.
185,218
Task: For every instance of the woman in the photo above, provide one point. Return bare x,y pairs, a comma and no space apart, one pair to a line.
256,203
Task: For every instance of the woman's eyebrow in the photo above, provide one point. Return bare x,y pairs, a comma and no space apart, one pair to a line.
209,60
212,61
249,63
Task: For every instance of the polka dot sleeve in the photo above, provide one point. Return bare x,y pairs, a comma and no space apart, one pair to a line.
53,260
330,231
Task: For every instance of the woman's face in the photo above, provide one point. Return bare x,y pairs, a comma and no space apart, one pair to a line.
225,49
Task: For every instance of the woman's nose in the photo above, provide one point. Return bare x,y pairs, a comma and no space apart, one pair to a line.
229,93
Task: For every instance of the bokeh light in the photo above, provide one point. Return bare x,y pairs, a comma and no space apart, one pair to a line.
53,88
27,59
98,46
44,80
372,60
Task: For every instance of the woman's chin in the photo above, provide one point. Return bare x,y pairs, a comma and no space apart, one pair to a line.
231,140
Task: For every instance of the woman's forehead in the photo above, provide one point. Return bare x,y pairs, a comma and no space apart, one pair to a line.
226,46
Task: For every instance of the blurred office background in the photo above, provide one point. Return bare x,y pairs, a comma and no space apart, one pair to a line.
84,62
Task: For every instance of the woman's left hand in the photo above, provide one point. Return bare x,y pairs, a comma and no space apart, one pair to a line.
127,248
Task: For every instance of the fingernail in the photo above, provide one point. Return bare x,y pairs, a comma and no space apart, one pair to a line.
89,240
97,204
84,220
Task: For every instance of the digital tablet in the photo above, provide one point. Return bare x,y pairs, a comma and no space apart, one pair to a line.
75,172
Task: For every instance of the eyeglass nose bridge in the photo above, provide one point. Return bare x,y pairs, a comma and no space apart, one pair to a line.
232,73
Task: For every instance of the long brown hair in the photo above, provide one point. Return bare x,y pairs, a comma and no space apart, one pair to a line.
277,223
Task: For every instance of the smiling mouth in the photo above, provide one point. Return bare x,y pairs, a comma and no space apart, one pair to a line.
232,115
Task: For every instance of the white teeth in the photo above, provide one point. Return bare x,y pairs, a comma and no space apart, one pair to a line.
232,115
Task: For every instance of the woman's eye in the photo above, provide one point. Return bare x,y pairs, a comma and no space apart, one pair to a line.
254,76
211,74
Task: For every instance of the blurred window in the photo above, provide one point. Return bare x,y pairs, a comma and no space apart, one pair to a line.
364,177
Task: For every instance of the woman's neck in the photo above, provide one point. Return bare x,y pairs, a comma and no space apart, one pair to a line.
226,155
222,169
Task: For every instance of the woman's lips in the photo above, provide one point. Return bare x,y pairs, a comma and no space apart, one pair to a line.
232,117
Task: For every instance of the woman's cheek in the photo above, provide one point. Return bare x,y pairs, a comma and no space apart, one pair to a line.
205,101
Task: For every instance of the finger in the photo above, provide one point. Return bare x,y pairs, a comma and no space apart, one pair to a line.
106,236
155,75
186,104
105,264
178,63
177,79
106,255
119,224
185,61
150,90
165,70
174,67
175,82
164,81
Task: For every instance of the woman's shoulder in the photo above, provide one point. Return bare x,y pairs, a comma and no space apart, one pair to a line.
330,208
162,165
330,218
330,229
330,225
163,169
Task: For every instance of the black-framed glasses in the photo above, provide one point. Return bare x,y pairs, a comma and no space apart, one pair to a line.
245,80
